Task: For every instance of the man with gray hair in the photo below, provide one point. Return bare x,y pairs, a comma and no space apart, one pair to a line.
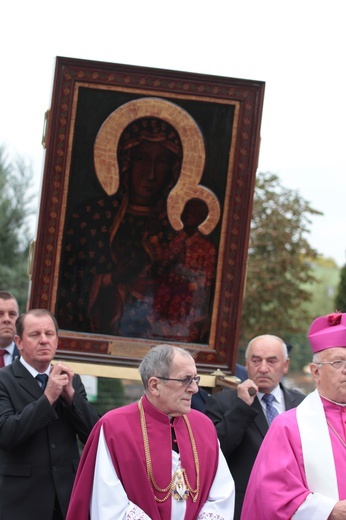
300,470
155,459
242,416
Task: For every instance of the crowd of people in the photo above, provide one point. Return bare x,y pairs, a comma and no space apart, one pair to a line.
260,451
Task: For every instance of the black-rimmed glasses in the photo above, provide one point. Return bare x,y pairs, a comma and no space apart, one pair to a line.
337,364
187,381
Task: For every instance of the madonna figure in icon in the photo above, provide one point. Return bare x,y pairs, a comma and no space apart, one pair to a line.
125,268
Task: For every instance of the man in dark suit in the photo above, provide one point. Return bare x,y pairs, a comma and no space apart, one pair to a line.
8,314
39,424
242,417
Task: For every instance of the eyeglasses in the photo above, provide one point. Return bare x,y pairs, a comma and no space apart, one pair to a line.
338,364
186,382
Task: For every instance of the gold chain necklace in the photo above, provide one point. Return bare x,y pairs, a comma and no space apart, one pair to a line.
336,433
177,480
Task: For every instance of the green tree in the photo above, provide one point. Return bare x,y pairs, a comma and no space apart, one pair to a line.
324,289
279,262
110,395
15,209
340,299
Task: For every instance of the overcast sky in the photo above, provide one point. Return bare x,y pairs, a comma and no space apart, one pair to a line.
296,47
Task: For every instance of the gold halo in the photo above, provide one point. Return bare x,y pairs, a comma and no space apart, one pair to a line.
187,187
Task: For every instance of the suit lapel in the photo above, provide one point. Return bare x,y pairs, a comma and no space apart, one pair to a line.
15,353
290,398
261,420
25,379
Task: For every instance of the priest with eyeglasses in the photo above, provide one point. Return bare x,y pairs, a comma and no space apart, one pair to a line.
155,459
300,471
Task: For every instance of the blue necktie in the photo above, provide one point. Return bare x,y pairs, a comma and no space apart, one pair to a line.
270,410
42,380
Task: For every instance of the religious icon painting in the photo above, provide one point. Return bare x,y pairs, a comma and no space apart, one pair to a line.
145,211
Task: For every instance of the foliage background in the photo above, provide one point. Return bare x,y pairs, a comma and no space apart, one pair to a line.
16,206
288,284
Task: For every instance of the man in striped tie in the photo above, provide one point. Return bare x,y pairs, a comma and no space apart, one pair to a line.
300,470
242,416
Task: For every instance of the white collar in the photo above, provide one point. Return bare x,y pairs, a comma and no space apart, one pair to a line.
334,402
277,393
31,369
9,348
